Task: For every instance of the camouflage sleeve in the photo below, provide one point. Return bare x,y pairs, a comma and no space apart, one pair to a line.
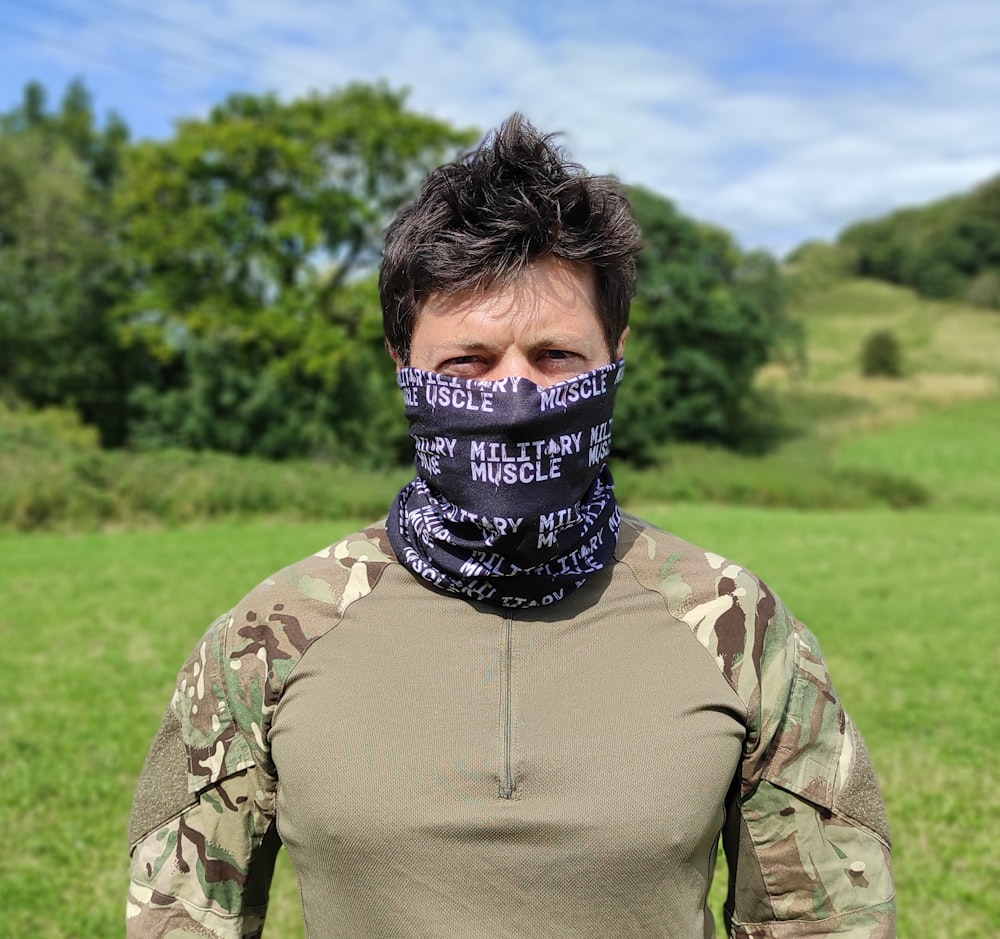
202,832
806,836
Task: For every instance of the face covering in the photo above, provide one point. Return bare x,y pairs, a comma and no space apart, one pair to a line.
513,504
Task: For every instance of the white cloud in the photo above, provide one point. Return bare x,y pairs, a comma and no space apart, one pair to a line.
780,120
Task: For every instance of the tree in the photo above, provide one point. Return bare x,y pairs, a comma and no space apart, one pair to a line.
706,317
247,230
949,249
59,278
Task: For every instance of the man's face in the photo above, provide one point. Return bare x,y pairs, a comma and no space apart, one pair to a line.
544,327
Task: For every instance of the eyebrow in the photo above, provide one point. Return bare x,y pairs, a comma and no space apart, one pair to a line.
550,341
452,346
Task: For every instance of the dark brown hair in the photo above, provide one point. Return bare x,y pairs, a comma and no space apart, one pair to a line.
481,220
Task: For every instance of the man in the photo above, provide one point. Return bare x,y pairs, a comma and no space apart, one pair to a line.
510,710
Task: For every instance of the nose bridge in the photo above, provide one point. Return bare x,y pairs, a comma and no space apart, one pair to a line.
516,362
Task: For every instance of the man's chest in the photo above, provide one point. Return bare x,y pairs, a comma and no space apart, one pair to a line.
434,738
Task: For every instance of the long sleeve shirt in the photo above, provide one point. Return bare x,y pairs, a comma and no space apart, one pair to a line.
438,767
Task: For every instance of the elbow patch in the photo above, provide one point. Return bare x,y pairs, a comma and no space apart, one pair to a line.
858,796
162,791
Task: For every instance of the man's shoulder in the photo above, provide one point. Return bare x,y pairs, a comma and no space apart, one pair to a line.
232,681
664,561
730,610
307,598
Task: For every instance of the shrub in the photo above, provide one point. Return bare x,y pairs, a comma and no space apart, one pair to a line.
984,290
881,356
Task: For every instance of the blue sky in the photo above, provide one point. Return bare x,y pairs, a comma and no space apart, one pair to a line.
780,120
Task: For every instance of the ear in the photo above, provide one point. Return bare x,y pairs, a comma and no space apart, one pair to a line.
396,357
620,352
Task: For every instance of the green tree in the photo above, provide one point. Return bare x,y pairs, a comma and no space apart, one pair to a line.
74,126
59,276
949,249
222,397
706,317
885,249
246,232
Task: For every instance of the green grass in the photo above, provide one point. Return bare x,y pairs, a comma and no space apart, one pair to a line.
944,447
950,356
95,626
95,623
94,629
936,337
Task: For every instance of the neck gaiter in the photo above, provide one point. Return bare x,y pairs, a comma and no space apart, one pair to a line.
513,503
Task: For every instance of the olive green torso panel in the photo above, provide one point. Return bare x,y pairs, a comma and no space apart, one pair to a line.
453,772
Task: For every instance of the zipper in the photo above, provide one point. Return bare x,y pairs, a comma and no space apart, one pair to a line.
507,780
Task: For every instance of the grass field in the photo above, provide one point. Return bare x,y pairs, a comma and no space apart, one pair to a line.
95,625
951,452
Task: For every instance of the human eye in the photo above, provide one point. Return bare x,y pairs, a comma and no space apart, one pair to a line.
461,366
559,360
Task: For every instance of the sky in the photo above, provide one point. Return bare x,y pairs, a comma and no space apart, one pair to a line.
781,121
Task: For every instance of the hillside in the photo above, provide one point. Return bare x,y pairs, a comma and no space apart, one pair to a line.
936,425
950,354
948,249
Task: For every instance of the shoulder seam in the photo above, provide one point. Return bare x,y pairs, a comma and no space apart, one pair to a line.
341,612
690,631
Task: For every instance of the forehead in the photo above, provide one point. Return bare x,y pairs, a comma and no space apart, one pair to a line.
549,292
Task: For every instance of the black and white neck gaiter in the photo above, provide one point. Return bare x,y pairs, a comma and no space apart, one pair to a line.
513,503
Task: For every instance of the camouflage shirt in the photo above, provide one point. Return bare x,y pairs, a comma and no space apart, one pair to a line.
436,767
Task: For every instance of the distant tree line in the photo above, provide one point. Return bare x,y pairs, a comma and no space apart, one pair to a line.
947,250
217,289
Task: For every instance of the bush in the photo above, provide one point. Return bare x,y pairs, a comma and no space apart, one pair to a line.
984,290
53,476
801,476
881,356
46,429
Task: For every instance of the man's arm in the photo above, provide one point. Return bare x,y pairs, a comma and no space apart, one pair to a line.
806,836
202,834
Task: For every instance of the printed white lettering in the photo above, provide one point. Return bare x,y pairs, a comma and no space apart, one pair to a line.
420,567
600,443
470,568
504,526
562,396
464,399
488,563
431,449
522,602
478,590
499,472
599,453
430,464
600,432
